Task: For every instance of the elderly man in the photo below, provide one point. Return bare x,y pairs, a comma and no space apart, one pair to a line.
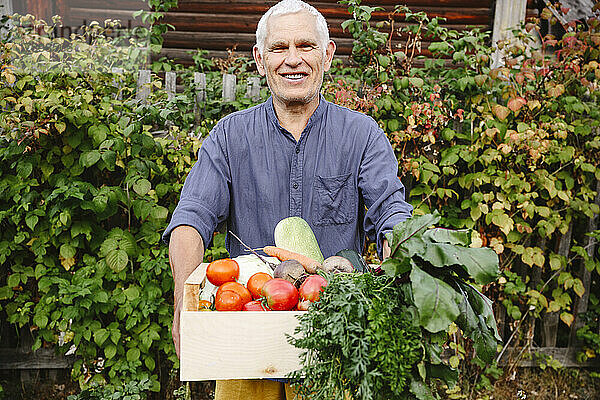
294,155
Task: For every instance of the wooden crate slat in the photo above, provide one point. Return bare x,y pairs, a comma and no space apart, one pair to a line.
237,344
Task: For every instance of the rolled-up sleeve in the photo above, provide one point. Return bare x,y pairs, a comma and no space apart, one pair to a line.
381,189
204,201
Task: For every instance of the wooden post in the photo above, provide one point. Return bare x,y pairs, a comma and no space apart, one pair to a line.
581,303
500,314
143,86
28,376
170,84
229,84
550,320
200,98
253,88
508,14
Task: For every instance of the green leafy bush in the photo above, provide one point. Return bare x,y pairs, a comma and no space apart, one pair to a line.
510,151
85,191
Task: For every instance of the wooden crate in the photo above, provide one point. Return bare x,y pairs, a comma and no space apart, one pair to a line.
234,344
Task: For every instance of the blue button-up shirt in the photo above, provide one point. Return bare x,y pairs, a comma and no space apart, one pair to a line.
341,177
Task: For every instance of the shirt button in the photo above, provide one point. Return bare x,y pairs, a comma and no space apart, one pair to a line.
297,150
295,185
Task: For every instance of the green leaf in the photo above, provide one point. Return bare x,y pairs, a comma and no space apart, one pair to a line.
13,280
450,156
110,158
150,364
60,126
6,292
420,390
98,133
159,212
132,293
438,46
81,228
396,267
110,351
100,336
89,158
417,82
436,301
41,320
480,263
475,327
411,227
117,260
24,169
482,307
451,236
31,221
142,186
443,372
67,251
133,354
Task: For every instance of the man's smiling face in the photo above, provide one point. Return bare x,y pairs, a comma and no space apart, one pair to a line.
293,59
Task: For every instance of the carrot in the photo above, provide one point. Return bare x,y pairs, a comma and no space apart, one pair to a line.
309,264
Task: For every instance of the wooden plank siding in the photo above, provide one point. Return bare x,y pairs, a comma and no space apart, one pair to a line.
219,25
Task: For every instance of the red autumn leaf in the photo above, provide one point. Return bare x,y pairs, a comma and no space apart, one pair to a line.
500,112
520,78
556,91
516,103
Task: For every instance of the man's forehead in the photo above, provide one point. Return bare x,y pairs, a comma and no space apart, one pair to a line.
278,24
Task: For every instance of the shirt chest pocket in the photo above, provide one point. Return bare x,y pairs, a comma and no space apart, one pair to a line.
335,199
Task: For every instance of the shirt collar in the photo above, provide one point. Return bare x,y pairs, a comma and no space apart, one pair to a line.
316,115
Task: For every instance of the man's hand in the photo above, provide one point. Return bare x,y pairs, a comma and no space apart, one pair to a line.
186,251
386,250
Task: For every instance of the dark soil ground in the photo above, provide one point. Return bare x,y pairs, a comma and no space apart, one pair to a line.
522,384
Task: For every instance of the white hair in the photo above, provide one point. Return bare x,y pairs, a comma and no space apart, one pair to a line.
285,7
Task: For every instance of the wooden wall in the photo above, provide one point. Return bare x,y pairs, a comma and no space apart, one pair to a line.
78,12
218,25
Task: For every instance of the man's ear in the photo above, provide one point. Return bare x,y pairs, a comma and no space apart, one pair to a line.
258,59
329,51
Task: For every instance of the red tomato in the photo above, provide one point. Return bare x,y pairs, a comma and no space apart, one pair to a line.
311,287
281,295
256,282
254,305
228,300
238,288
220,271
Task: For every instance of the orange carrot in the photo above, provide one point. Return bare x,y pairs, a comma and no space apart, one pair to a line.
309,264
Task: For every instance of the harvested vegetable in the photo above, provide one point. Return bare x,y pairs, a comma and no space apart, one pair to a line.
309,264
335,264
243,292
356,259
376,337
280,294
359,338
295,234
220,271
290,270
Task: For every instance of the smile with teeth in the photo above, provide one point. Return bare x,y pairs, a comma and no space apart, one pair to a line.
294,76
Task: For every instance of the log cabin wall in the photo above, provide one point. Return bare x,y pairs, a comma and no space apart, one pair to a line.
219,25
75,13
